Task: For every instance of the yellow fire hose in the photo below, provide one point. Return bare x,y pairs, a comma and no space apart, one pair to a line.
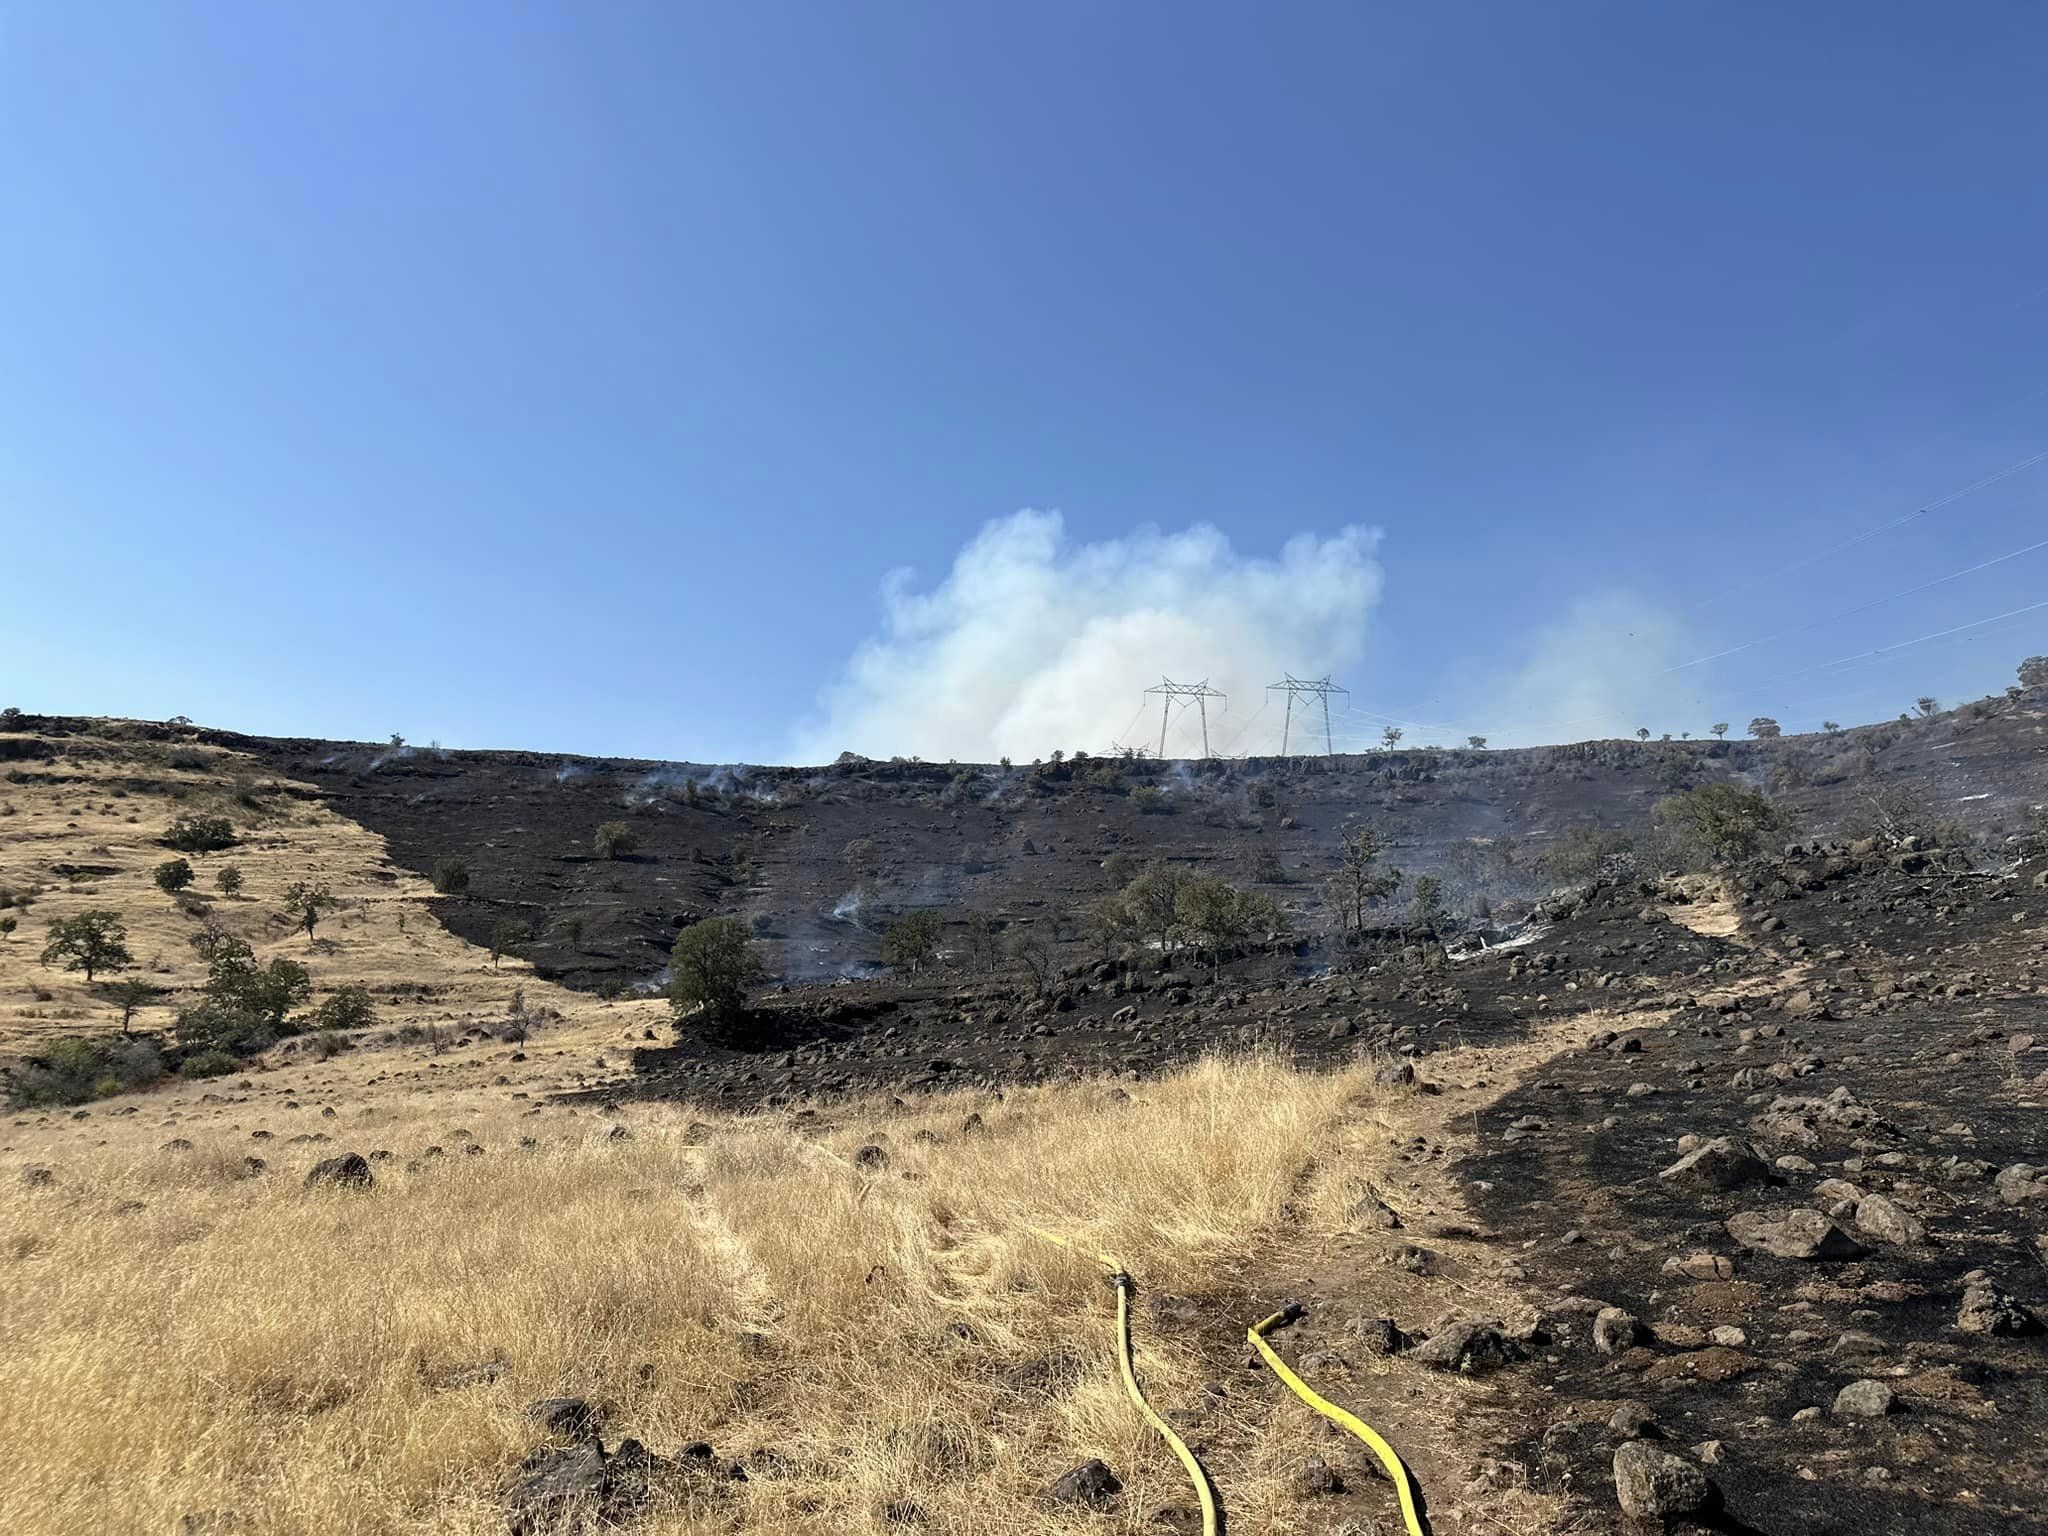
1397,1471
1125,1286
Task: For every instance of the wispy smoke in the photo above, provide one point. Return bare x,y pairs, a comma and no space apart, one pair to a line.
1033,642
1598,671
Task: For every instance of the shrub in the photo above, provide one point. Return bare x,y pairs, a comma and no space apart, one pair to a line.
1584,853
7,926
451,876
614,840
1263,866
912,942
173,875
2034,672
860,856
1215,915
1721,821
77,1070
95,940
200,834
345,1008
1427,900
711,970
208,1063
1150,801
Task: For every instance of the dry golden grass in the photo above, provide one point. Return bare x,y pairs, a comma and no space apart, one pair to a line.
181,1342
105,805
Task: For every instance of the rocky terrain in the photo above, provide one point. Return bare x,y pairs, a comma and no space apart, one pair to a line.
1764,1180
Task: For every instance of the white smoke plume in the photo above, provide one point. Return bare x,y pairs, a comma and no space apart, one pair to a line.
1033,642
1598,671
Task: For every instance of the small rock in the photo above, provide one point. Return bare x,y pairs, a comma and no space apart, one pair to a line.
1701,1266
1615,1330
1863,1400
1633,1421
1091,1485
1369,1210
1317,1478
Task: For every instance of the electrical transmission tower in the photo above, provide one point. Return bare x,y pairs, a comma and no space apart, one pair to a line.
1168,691
1313,688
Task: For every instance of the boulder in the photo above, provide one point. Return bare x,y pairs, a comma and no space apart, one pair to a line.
1471,1345
351,1170
1798,1234
1721,1164
2023,1184
558,1490
1989,1309
1656,1485
1884,1219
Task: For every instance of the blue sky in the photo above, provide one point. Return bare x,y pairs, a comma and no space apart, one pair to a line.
575,377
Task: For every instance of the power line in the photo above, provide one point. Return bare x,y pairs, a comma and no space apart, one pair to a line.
1243,730
1886,650
1872,533
1876,602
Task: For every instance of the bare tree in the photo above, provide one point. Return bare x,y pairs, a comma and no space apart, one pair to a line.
1033,955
